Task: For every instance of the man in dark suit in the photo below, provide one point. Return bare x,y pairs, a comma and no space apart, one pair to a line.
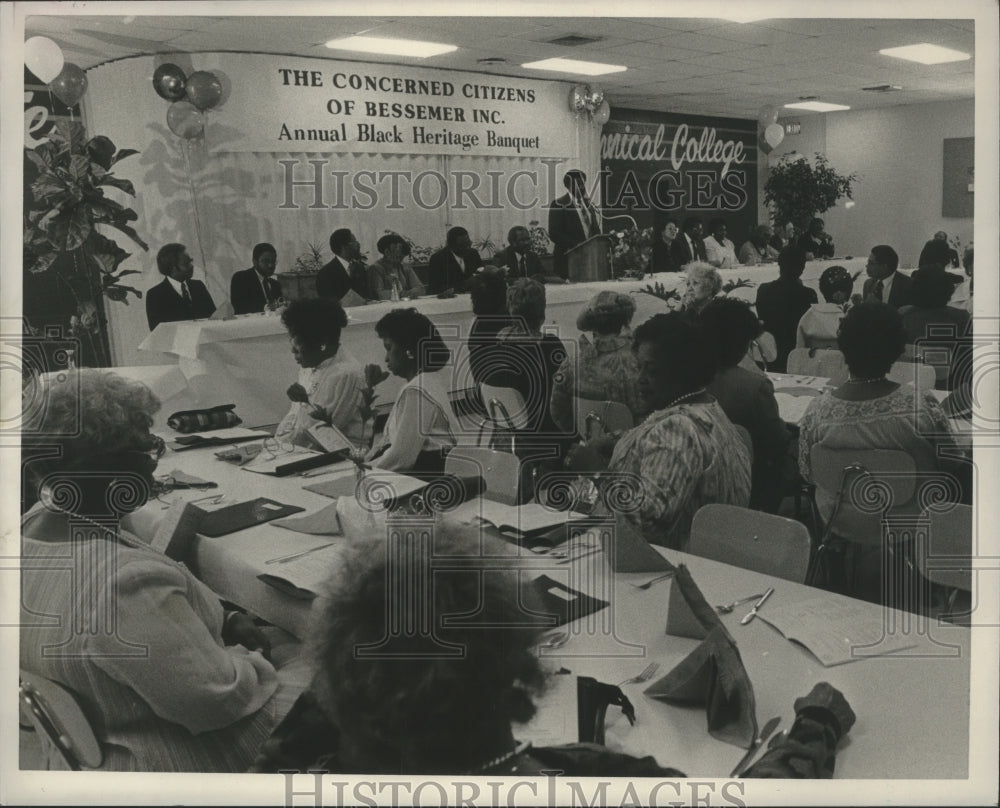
452,267
251,290
346,271
688,246
884,283
178,297
518,261
816,241
572,220
781,303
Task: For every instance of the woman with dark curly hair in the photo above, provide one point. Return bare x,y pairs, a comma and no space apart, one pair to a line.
389,274
488,290
605,369
392,707
421,428
747,398
331,381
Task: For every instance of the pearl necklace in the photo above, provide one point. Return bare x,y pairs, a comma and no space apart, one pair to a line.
114,533
686,395
865,381
513,753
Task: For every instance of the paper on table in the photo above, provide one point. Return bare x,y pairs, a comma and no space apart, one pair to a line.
792,408
322,523
381,484
304,576
524,518
831,629
555,721
266,463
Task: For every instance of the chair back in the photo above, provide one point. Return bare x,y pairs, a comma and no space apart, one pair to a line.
857,486
505,406
59,722
501,472
817,362
594,417
915,373
751,540
948,557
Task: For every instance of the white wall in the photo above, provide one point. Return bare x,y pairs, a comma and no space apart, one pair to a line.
898,153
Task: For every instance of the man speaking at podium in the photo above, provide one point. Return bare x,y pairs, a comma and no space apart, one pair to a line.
572,219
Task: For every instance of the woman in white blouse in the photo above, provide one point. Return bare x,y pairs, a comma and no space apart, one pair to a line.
421,428
331,381
719,250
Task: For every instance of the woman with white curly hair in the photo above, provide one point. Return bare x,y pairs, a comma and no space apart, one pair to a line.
703,282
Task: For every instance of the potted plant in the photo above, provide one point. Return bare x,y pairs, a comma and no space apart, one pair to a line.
541,244
69,264
798,190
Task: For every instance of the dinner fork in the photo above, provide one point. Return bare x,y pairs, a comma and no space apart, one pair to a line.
730,606
647,673
651,581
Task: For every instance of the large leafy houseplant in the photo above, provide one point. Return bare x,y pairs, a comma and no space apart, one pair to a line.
67,176
798,190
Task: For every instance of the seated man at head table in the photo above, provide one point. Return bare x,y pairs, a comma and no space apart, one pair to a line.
252,290
518,260
179,296
452,267
816,242
431,715
345,273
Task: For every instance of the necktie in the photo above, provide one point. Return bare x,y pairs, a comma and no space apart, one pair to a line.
595,228
520,266
186,295
878,290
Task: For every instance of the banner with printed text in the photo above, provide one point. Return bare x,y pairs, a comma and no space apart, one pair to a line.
289,104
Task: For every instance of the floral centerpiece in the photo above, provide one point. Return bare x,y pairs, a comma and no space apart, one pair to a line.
540,240
631,251
312,260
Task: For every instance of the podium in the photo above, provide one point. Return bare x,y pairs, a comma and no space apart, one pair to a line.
590,260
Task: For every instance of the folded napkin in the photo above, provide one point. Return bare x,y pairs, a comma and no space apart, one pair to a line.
628,551
556,604
713,674
322,523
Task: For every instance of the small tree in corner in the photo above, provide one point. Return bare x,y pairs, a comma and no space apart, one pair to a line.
797,190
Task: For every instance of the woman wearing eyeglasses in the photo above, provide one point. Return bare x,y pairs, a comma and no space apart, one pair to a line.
167,679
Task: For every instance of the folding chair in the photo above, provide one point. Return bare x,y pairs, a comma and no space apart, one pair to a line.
915,373
501,473
751,540
610,416
65,733
947,560
827,364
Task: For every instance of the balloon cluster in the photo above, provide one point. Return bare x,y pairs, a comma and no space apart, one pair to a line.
44,58
771,132
190,97
582,98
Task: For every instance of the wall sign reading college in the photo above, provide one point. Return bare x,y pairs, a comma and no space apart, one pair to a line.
285,104
660,165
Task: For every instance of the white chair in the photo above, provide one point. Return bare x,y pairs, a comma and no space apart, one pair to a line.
501,472
751,540
813,362
64,732
506,411
916,373
610,416
947,560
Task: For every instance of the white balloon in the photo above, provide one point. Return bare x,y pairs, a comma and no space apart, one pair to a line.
43,57
774,134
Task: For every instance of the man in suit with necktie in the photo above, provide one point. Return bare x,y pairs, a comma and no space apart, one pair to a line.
451,267
572,220
178,297
884,283
251,290
518,261
688,246
346,271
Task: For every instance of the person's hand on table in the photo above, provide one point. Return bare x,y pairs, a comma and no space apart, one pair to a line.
297,392
320,415
239,629
593,455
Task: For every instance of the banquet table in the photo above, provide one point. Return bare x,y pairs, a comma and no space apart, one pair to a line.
919,693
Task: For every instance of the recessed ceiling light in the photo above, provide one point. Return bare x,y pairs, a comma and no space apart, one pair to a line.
391,47
816,106
748,17
575,66
926,54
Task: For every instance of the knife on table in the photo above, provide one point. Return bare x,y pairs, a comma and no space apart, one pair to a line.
758,742
753,612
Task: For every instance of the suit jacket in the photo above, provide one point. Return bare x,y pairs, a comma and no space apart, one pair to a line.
780,306
660,257
443,271
680,252
333,280
246,293
507,259
164,305
899,293
819,249
566,231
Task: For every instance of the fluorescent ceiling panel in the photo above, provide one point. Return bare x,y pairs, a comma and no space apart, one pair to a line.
926,54
391,47
575,66
816,106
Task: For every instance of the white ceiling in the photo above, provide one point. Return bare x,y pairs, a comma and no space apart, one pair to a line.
696,66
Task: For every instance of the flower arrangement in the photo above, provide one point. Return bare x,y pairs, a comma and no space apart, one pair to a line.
671,297
631,251
312,260
739,283
540,240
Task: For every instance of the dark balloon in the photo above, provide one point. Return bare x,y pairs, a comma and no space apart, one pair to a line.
169,82
70,85
203,89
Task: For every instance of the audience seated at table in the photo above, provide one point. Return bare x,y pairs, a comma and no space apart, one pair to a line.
961,298
885,284
929,322
252,290
747,398
937,255
661,259
345,272
488,290
720,251
686,453
784,236
331,381
167,680
941,237
701,284
451,267
819,326
781,303
605,369
421,428
816,242
407,712
178,296
390,273
757,249
518,260
688,246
